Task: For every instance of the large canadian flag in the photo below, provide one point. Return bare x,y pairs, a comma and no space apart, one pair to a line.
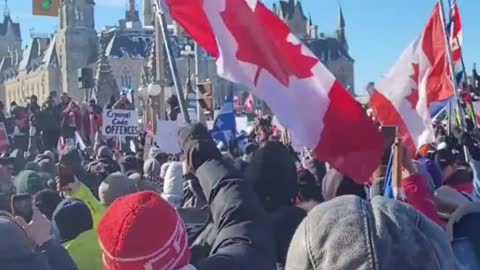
420,77
253,47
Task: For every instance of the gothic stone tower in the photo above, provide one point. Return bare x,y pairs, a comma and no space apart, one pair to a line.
77,43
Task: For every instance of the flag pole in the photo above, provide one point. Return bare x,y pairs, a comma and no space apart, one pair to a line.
197,81
397,170
171,61
452,68
464,69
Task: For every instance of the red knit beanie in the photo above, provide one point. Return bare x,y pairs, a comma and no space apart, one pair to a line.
143,232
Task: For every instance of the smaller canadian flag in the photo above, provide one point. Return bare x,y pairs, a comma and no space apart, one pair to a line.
249,105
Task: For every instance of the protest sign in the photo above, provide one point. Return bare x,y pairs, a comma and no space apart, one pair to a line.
120,123
167,137
241,123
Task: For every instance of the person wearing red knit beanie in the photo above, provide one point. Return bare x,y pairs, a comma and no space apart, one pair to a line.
143,232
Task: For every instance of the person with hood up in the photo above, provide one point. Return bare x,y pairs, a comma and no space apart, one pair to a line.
130,164
173,186
243,239
31,246
30,182
163,170
143,184
151,172
116,185
150,180
351,233
47,166
73,224
104,164
272,172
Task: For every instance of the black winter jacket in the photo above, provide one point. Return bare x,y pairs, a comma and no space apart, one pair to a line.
243,230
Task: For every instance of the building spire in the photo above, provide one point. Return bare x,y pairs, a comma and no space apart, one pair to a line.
106,84
341,19
341,35
132,14
6,10
132,6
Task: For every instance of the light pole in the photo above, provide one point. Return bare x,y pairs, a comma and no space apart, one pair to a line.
142,98
188,53
197,81
154,91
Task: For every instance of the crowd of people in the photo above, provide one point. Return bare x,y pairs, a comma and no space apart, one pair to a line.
264,206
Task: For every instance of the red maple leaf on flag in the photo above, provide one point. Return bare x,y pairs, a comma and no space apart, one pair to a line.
262,40
413,97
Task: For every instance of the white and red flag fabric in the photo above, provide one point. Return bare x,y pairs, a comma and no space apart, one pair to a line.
249,105
455,35
455,29
253,47
420,78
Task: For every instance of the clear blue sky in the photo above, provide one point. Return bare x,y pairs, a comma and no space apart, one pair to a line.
377,30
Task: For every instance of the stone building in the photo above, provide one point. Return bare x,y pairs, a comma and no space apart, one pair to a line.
51,63
37,73
10,46
332,50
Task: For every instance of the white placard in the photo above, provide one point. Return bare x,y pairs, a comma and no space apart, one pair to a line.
120,123
242,123
167,137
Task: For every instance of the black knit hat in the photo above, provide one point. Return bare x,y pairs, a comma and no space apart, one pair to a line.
307,187
445,157
47,201
71,218
273,173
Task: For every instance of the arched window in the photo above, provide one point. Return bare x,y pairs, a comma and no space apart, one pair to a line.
126,79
